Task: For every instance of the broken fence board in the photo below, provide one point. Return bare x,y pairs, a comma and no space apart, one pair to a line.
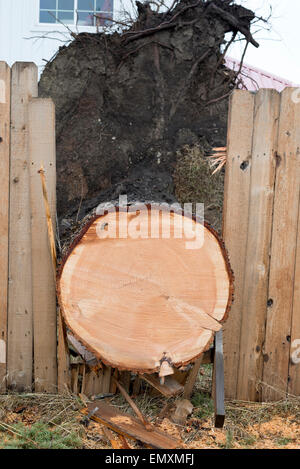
170,388
24,86
131,427
63,358
106,379
255,290
41,114
192,378
5,76
283,252
235,221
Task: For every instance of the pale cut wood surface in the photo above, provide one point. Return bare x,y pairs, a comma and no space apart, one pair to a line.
20,318
235,221
42,153
132,301
255,291
4,209
294,367
283,252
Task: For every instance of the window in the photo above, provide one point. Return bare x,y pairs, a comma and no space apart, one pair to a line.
76,12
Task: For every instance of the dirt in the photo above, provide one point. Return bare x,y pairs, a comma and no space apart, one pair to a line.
273,425
127,104
279,431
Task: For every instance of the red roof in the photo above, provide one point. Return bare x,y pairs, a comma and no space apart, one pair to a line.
253,78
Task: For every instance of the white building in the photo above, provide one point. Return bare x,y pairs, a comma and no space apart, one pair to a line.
33,30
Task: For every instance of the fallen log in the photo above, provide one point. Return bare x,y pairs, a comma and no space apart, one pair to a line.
140,297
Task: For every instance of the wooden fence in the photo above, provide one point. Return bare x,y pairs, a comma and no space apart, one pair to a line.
27,294
261,213
261,231
34,354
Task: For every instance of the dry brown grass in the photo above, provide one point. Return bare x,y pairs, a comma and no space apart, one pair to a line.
247,425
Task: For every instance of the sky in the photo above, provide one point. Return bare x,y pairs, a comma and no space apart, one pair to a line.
279,51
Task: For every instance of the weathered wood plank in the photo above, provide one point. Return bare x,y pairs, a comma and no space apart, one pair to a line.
5,76
20,318
106,379
41,114
283,252
63,359
191,380
294,367
235,221
170,388
131,427
255,291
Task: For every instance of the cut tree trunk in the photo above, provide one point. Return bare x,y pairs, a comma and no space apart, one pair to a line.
139,296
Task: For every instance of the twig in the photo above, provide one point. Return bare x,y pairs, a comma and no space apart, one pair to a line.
137,411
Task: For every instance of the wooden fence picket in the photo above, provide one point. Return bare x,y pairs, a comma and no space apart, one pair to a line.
5,76
235,221
20,320
283,251
41,114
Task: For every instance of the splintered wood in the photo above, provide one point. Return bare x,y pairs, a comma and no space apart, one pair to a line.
145,303
130,427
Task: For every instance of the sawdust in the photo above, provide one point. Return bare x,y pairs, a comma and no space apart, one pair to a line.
122,420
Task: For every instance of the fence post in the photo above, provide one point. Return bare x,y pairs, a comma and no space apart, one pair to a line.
41,121
20,321
283,252
4,210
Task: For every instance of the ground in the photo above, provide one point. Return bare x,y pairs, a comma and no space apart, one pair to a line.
52,421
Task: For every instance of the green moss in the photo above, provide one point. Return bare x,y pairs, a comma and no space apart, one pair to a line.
194,183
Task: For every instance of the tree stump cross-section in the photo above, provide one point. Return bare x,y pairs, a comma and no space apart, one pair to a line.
141,298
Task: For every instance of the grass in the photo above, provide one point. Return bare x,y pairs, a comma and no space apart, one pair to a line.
194,183
40,421
54,421
284,441
38,436
203,405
